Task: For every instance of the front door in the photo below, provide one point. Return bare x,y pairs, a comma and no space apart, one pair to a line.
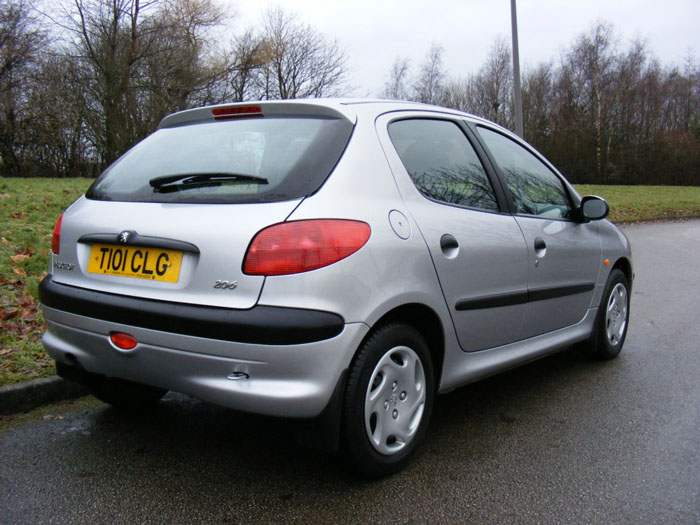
564,255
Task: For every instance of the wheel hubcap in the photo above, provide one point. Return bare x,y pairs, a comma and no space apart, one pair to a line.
616,314
395,400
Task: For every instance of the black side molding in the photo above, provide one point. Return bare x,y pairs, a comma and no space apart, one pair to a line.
492,301
542,294
269,325
522,297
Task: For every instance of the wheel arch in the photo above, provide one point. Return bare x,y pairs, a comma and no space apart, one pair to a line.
427,322
624,264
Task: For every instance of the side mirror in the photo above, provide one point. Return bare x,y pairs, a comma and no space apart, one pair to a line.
594,208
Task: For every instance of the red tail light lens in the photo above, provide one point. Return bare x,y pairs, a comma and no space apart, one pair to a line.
300,246
56,237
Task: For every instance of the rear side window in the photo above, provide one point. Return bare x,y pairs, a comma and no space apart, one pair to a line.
234,161
442,163
536,190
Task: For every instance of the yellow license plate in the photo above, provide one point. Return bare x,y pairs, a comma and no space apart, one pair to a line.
136,261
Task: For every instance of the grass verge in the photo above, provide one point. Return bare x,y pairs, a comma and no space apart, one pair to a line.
29,208
647,203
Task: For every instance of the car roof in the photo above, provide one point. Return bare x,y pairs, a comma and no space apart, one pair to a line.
348,108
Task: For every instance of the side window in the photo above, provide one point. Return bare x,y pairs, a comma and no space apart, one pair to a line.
535,188
442,163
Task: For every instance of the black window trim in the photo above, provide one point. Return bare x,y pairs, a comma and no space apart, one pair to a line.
504,207
473,126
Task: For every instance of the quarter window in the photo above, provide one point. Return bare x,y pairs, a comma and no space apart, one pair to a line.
536,190
442,163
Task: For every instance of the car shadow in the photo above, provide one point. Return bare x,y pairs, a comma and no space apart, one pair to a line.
186,439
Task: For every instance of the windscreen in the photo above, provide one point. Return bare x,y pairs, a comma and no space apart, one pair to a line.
234,161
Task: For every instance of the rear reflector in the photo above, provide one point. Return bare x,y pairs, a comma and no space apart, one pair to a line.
123,341
236,111
56,237
300,246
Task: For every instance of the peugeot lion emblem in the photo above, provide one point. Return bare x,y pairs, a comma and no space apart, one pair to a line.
124,237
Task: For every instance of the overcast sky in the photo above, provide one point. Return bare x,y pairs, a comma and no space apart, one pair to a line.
375,32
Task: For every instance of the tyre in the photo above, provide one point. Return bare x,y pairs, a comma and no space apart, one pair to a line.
612,320
124,394
388,400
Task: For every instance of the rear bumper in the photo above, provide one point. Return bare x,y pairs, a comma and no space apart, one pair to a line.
259,325
287,380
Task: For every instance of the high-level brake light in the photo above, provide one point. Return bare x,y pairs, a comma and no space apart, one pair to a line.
236,111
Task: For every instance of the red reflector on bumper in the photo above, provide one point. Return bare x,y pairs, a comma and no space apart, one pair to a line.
123,341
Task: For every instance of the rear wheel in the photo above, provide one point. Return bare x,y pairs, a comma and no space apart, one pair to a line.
388,400
124,394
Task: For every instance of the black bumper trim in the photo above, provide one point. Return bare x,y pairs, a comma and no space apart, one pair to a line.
269,325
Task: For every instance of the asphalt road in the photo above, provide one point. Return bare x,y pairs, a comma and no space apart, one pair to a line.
563,440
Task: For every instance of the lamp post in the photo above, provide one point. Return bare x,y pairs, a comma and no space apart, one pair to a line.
517,98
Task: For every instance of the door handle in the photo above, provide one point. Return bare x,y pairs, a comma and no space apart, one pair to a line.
540,247
449,246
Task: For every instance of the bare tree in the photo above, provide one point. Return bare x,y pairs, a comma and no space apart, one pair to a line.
494,85
586,81
136,61
395,87
20,43
298,61
428,86
247,57
537,103
182,69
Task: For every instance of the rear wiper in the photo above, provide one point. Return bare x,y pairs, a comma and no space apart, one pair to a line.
186,181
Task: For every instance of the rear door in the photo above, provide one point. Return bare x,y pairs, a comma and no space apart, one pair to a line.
564,255
479,252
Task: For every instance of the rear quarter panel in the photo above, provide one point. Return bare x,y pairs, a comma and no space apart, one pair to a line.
388,271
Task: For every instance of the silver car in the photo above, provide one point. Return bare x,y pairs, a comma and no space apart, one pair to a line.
336,261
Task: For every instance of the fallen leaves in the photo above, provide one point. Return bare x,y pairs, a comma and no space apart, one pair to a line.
19,311
26,301
19,271
9,313
19,215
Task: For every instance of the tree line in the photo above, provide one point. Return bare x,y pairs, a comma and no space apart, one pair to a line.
601,113
83,80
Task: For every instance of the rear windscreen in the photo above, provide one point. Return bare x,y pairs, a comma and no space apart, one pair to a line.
234,161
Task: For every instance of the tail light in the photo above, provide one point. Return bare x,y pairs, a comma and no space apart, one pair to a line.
56,237
300,246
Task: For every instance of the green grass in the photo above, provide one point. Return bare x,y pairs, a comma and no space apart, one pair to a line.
647,203
29,208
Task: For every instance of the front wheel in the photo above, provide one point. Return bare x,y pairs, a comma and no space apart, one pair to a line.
613,318
388,400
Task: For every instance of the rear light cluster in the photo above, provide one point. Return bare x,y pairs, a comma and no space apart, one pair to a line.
56,237
299,246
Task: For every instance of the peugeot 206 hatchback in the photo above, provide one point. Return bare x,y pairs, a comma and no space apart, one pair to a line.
340,262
